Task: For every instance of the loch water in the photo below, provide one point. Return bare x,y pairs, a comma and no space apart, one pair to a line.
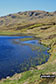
19,53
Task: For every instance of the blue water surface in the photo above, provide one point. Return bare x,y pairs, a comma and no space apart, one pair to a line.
16,54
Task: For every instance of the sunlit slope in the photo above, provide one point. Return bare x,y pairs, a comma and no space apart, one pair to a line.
20,20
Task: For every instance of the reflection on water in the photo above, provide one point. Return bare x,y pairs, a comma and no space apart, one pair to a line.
17,55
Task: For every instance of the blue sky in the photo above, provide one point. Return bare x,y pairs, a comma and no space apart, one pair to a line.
13,6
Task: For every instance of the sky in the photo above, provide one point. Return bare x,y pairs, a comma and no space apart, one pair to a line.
14,6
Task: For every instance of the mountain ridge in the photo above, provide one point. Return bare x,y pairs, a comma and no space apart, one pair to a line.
12,21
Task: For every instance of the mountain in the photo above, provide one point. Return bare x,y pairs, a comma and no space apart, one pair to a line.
25,19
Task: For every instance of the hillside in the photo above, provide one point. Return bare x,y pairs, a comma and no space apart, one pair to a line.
41,24
21,20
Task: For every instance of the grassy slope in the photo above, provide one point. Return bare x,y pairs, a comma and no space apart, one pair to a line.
46,30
